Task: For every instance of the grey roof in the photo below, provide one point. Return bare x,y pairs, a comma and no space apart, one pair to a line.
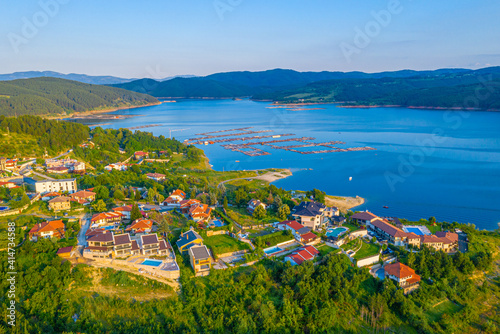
103,237
187,237
310,209
363,215
200,252
121,239
304,230
149,239
338,219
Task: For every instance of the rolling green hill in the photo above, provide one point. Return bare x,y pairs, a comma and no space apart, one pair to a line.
473,89
188,88
54,96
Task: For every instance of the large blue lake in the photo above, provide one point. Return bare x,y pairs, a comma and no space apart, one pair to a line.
427,162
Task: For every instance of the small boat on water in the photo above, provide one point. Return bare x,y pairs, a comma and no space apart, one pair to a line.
350,178
386,207
237,161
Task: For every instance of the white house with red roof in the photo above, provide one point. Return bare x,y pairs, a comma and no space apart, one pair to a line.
200,212
106,219
301,254
9,185
404,276
141,225
124,210
48,229
298,230
175,198
253,204
187,204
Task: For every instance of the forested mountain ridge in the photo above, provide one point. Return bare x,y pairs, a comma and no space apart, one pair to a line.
53,96
473,89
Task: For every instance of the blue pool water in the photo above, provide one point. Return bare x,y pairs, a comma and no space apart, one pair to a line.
272,250
415,230
153,263
427,162
335,232
217,223
3,208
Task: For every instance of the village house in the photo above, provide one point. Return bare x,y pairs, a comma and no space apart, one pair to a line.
174,199
141,225
388,231
47,229
253,204
139,155
45,186
313,214
65,252
58,170
405,277
9,185
106,219
60,203
156,176
301,254
363,217
116,166
185,205
309,238
124,210
3,163
8,164
152,246
187,240
122,245
83,196
200,213
100,245
294,227
200,259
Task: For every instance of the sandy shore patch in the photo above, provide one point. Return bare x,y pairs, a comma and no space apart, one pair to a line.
344,203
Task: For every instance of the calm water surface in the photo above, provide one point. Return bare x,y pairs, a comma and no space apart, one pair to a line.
427,162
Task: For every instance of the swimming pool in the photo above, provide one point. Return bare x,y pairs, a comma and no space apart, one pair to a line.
217,223
153,263
272,250
334,232
3,208
418,230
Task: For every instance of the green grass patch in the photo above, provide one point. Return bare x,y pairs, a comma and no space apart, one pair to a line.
324,249
351,227
366,250
223,243
446,307
272,239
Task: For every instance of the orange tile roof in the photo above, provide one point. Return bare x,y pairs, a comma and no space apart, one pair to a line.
400,270
106,215
47,226
179,192
140,224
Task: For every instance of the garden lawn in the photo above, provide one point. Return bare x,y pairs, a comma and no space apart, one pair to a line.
367,249
223,243
445,307
274,238
324,249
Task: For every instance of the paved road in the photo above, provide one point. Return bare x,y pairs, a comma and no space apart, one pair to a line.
81,236
463,245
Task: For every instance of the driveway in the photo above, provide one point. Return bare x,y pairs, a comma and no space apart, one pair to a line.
81,236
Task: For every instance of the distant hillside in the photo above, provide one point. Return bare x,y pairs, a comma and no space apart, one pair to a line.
188,88
43,96
284,78
90,79
241,84
446,90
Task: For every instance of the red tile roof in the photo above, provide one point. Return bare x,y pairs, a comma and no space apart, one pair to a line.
309,236
48,226
65,250
140,224
107,216
400,270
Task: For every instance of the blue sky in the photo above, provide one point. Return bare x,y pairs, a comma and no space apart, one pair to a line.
164,38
